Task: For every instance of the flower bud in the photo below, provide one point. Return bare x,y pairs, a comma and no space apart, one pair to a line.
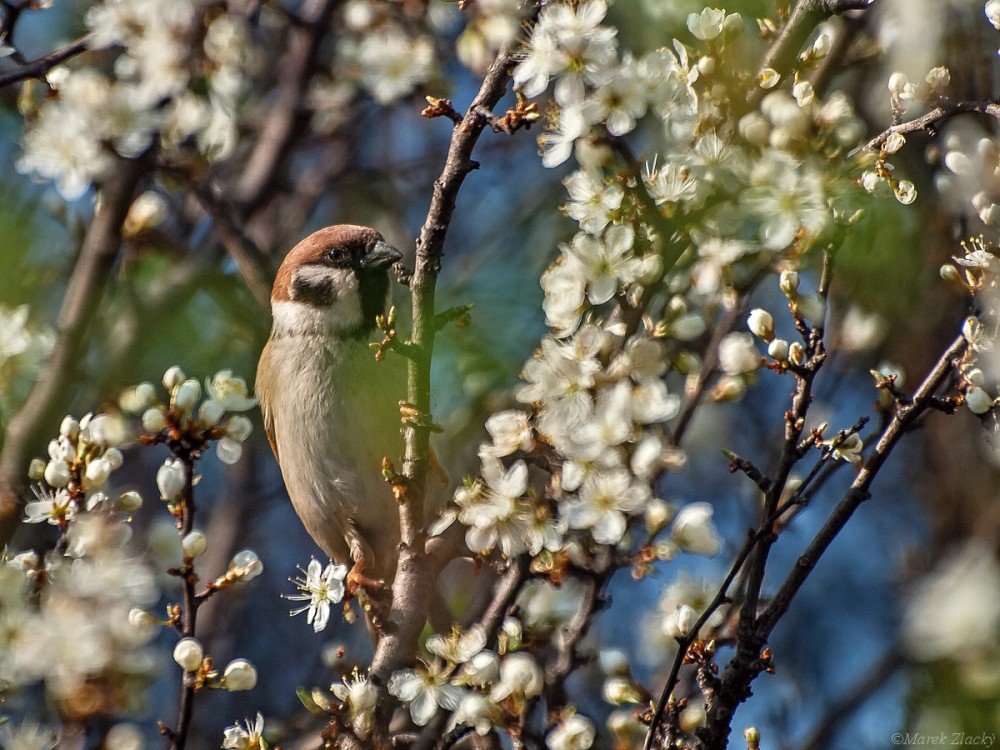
938,78
789,283
210,412
978,400
898,83
189,654
194,544
778,350
140,618
98,472
796,353
70,428
949,272
239,675
684,619
57,474
135,400
173,377
129,502
658,514
238,428
36,469
228,451
620,690
187,394
246,565
153,421
975,376
171,479
761,324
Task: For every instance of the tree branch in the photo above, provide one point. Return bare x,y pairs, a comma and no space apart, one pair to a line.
930,120
410,589
50,396
39,67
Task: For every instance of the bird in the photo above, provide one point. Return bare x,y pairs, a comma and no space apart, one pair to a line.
330,410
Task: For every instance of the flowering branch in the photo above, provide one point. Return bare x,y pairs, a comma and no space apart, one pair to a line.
929,122
413,579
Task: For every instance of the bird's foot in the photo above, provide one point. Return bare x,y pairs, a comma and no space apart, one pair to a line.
357,580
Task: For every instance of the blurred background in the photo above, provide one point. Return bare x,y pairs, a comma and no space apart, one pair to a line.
898,630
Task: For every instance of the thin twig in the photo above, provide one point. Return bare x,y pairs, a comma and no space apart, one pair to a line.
932,119
39,67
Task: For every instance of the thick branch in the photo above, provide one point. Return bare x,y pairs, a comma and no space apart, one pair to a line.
50,396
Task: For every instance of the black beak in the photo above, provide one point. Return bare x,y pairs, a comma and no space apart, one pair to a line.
382,255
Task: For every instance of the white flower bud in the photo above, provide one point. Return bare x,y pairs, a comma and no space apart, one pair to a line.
187,394
129,502
194,544
938,78
950,273
684,619
173,377
822,46
898,83
755,129
693,530
621,690
658,515
789,283
140,618
70,428
992,10
796,353
976,377
239,675
189,654
229,451
153,420
36,469
135,400
210,412
246,565
114,457
706,65
778,350
171,478
978,400
733,24
894,142
803,93
57,474
98,472
238,428
761,324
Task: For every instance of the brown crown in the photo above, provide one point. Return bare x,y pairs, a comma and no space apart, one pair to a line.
311,250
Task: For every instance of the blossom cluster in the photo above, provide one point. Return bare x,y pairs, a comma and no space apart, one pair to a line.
67,620
150,92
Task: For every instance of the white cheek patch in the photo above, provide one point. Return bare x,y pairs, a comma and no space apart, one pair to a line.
340,309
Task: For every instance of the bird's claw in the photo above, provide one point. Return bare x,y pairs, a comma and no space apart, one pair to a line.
357,580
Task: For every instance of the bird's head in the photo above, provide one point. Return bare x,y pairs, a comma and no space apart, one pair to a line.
337,275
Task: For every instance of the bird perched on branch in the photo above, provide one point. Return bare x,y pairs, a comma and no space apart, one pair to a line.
330,410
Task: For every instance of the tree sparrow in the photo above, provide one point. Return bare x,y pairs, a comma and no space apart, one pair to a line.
330,410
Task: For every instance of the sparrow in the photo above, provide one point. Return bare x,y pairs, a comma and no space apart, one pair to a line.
331,411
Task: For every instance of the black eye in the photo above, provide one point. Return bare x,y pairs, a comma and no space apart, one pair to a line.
338,256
